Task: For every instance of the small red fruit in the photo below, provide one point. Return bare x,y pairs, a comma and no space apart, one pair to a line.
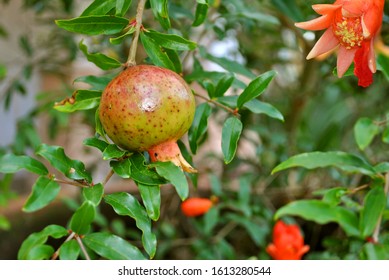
196,206
148,108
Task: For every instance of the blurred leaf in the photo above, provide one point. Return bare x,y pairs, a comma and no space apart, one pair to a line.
170,41
122,6
201,12
122,167
288,8
373,206
231,131
98,126
102,61
161,13
255,88
344,161
364,132
26,46
151,197
385,135
199,126
95,142
80,100
4,223
73,169
211,218
44,191
141,174
382,167
99,7
375,251
94,25
155,53
383,64
112,151
334,196
93,194
258,107
3,71
175,176
322,213
82,218
112,247
39,238
97,83
126,205
10,163
70,250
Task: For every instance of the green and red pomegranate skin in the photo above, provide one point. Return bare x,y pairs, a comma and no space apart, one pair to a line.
148,108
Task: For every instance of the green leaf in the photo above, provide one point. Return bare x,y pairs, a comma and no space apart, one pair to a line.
99,127
211,219
289,8
170,41
126,205
97,83
122,6
175,59
72,169
155,53
223,85
151,197
10,163
81,100
112,151
122,167
344,161
174,175
142,174
383,64
161,13
255,88
93,194
39,238
375,251
258,107
70,250
99,7
231,131
322,213
82,218
112,246
94,25
334,196
3,71
382,167
102,61
385,135
364,132
201,12
40,252
4,223
95,142
119,40
374,205
43,192
199,126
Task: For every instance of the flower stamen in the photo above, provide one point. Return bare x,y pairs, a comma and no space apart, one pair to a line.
349,32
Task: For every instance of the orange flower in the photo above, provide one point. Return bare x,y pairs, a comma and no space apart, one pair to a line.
288,243
196,206
352,25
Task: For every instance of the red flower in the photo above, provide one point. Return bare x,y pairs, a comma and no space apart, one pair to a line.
288,243
196,206
352,25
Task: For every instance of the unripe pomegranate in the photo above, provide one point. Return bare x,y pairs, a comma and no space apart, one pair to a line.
148,108
196,206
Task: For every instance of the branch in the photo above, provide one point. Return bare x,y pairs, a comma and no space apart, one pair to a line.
56,253
131,61
109,175
228,109
72,183
78,238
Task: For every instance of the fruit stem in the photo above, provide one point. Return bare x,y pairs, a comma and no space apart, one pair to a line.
228,109
131,61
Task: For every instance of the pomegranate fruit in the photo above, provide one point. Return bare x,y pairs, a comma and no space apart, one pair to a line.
196,206
148,108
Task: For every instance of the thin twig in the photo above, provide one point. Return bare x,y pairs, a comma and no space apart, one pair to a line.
56,253
72,183
228,109
78,238
225,231
131,61
376,232
109,175
357,189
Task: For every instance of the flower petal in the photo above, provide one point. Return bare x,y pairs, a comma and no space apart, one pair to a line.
345,58
323,9
361,62
371,22
326,43
371,58
319,23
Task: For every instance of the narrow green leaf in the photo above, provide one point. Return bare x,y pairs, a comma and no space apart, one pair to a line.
82,218
344,161
170,41
122,6
10,163
112,151
95,142
151,197
81,100
93,194
199,126
155,53
231,132
175,59
256,87
119,39
373,206
201,13
102,61
4,223
258,107
99,7
142,174
364,132
211,218
288,8
3,71
97,83
385,135
72,169
112,246
321,213
70,250
99,127
122,167
175,175
94,25
223,85
161,13
126,205
44,191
